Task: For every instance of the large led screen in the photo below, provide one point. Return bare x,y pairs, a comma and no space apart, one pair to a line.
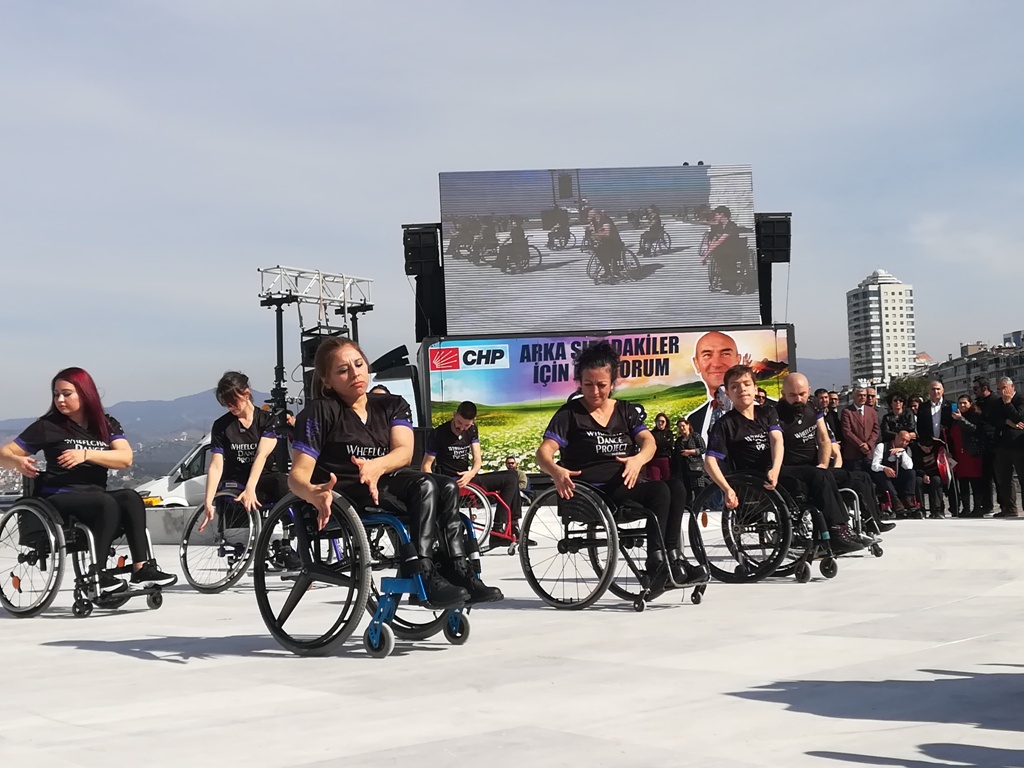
598,249
519,382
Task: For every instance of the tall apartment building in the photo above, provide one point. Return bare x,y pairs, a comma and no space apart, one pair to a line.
880,315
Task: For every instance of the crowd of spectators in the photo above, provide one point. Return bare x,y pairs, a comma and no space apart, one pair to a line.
925,455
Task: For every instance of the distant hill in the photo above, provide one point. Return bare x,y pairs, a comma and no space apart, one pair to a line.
151,420
831,374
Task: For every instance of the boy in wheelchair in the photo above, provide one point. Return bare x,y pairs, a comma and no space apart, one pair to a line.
750,438
80,444
360,444
605,443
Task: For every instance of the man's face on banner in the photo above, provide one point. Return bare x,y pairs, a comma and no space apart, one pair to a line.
714,354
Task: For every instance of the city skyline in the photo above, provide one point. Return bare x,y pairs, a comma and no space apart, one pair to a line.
161,153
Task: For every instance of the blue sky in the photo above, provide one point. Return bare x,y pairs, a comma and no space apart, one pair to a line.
155,154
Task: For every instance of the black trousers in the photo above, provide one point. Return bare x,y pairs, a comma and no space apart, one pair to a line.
1006,463
969,486
429,502
988,480
935,490
861,484
665,498
823,490
105,513
506,484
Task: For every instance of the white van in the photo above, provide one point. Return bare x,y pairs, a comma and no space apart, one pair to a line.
185,484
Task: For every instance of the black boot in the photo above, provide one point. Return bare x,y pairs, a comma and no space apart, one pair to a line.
441,593
657,572
462,574
683,573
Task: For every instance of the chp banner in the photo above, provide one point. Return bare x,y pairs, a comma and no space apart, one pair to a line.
518,383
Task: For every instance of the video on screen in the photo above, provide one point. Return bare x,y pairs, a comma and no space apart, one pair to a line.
600,248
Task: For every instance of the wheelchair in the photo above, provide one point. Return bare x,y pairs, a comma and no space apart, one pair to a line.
311,612
769,533
628,265
857,519
574,550
216,558
563,242
479,505
35,544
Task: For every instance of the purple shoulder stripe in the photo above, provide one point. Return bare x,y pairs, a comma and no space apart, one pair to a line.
219,451
23,445
562,442
306,449
716,454
639,428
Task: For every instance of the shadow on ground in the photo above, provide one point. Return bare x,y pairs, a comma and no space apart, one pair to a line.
182,650
956,755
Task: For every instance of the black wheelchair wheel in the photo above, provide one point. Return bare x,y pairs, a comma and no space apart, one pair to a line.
411,622
475,505
314,610
32,557
747,543
664,243
714,277
217,557
568,537
534,258
630,581
595,271
630,264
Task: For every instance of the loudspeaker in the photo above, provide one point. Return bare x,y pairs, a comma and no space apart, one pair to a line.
422,251
431,313
307,385
774,232
312,338
565,186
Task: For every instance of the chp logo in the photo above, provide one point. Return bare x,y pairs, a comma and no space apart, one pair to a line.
462,358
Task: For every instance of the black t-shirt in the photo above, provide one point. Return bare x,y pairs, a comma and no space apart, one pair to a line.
452,453
586,446
799,433
238,445
743,442
53,434
333,434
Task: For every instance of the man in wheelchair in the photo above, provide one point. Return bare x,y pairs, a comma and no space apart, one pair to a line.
750,438
449,449
361,444
80,444
605,443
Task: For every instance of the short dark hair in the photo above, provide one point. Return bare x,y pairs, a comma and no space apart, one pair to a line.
737,371
599,355
833,392
982,381
896,396
231,388
724,210
820,391
467,409
762,391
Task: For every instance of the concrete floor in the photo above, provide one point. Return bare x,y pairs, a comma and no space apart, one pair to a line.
914,659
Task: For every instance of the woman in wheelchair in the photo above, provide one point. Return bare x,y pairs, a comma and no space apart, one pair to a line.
80,444
605,443
242,444
361,446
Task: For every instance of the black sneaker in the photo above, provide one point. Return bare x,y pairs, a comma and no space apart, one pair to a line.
443,594
287,558
519,537
843,540
109,584
882,526
462,574
151,576
684,574
1006,513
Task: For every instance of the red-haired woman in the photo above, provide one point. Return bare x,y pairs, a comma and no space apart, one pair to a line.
80,443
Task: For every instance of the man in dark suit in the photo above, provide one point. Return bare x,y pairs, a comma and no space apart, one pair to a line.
714,353
934,417
860,431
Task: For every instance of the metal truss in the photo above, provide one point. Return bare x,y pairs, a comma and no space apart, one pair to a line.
325,290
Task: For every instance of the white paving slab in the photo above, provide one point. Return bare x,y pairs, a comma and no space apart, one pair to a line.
914,659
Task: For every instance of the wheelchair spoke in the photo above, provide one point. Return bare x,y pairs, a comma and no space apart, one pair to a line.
302,584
